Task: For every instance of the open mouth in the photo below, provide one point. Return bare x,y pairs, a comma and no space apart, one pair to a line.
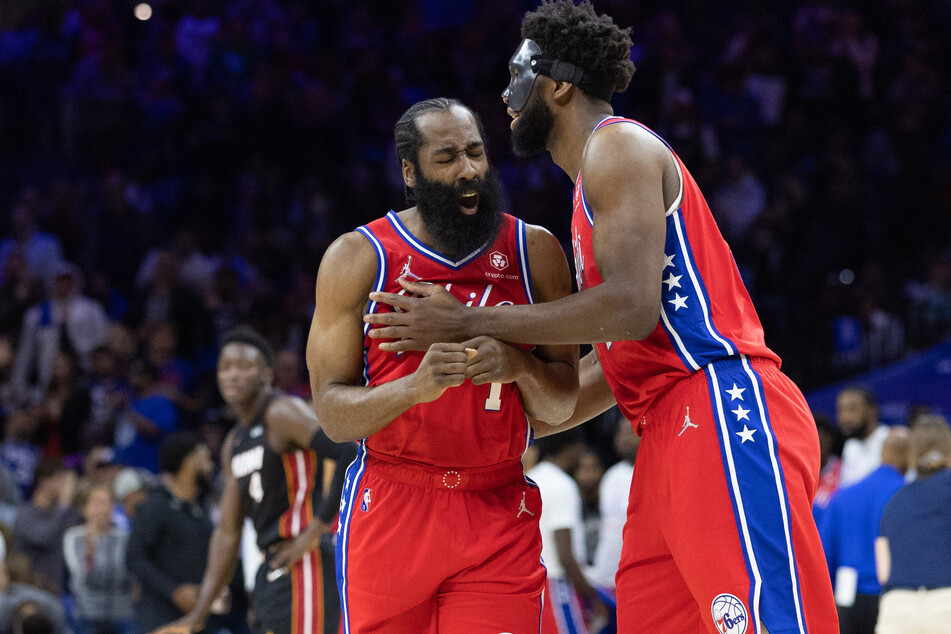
469,202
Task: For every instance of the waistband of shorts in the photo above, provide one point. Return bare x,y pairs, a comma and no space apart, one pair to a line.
724,364
432,477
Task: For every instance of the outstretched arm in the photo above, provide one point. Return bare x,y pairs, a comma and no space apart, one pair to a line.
348,409
623,171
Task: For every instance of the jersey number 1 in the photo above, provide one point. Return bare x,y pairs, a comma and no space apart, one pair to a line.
494,402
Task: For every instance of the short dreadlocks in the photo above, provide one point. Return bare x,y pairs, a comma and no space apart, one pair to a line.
574,33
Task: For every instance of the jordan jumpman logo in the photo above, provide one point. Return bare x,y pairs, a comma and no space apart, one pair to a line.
522,508
687,423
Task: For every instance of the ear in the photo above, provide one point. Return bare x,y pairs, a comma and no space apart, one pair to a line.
563,92
409,173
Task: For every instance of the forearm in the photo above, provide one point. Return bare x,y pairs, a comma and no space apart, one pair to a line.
595,315
594,398
549,389
222,561
349,413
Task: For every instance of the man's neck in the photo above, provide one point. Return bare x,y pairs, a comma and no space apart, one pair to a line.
570,134
246,412
871,430
182,486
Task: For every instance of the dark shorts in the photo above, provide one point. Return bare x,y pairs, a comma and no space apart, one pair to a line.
303,600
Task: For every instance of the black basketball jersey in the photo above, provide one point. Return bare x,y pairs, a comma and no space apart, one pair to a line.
278,491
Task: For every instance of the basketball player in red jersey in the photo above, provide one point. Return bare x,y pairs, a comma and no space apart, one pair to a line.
720,536
438,526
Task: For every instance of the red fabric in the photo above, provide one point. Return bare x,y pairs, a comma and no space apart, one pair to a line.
465,559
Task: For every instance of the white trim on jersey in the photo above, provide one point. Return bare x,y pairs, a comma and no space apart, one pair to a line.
522,246
422,248
688,263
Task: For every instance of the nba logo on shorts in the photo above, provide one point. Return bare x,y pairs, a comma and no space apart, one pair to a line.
365,505
729,614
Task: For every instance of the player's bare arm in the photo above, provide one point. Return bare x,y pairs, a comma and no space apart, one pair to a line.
292,425
346,408
623,174
222,551
594,397
547,377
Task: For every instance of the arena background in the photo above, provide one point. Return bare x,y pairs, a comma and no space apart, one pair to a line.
223,144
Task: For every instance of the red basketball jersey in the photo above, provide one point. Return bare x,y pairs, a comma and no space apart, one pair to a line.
469,425
706,313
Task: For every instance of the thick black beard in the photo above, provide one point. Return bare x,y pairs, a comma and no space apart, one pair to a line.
532,128
455,233
859,432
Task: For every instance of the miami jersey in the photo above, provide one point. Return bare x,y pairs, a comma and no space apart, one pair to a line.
278,491
469,425
706,313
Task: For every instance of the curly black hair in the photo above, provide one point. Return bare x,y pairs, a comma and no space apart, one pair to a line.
574,33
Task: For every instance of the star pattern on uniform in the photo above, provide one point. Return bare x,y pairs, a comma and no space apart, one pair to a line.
673,281
741,414
678,302
746,434
669,260
736,392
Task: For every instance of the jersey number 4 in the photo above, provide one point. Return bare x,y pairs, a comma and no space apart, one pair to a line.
494,402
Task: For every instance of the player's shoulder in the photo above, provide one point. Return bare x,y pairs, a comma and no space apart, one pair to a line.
621,145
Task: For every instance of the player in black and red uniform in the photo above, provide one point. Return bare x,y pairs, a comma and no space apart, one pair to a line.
273,466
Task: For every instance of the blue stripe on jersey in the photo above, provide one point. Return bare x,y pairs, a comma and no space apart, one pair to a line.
758,493
378,285
584,205
685,303
432,254
522,239
347,504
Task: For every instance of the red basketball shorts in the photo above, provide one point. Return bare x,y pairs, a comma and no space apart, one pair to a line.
427,550
720,535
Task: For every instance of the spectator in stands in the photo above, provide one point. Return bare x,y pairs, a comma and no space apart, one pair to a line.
95,553
562,529
587,475
613,493
830,450
18,452
129,491
19,597
41,251
65,321
913,553
19,289
288,375
857,415
168,547
849,529
144,420
41,523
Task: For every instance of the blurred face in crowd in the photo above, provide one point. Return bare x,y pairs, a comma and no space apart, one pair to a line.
98,507
855,415
626,441
457,194
242,373
588,473
200,465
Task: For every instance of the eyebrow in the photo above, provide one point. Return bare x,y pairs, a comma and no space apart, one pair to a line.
450,149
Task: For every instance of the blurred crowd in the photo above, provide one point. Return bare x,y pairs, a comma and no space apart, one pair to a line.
164,179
